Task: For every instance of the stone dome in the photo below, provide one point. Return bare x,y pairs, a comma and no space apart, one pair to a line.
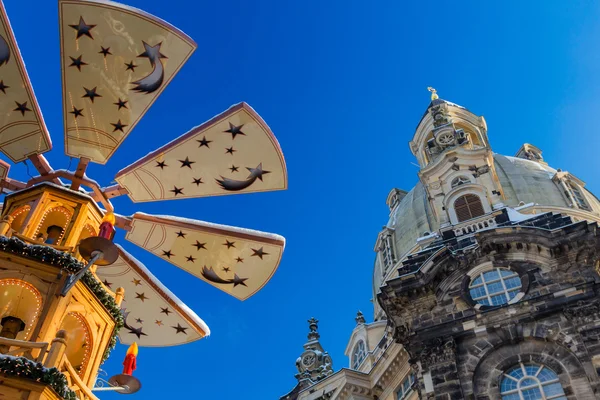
523,182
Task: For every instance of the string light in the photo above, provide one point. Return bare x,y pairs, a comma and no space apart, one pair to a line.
17,213
87,346
61,210
37,296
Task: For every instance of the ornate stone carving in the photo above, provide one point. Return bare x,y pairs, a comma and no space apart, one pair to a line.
583,311
437,352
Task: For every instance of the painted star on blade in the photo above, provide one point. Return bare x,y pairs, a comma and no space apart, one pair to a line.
161,164
181,234
22,107
229,244
235,130
141,296
239,259
176,190
167,253
204,142
136,282
165,311
258,172
121,104
239,281
229,150
77,62
130,66
197,181
139,321
77,112
83,29
105,51
158,322
3,87
186,163
91,93
190,259
107,284
259,253
199,245
180,329
152,52
225,269
118,126
137,332
233,168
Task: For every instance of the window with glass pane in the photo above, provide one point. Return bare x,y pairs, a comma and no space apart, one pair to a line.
531,382
387,253
495,287
467,207
359,354
406,387
578,197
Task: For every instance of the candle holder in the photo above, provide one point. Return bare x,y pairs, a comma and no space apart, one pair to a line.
121,383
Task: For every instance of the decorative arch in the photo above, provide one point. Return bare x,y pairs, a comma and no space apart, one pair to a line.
359,353
56,215
79,341
464,190
19,215
22,300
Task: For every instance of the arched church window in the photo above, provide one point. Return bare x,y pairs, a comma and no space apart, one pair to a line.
386,249
359,354
578,196
460,180
531,381
467,207
495,287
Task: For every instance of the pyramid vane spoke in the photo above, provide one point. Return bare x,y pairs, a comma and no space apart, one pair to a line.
104,98
238,261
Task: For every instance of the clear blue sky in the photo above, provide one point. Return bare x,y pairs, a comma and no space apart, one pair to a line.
343,85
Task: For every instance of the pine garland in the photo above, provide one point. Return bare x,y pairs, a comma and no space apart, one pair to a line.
63,260
22,367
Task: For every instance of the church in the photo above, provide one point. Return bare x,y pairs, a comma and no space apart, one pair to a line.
486,280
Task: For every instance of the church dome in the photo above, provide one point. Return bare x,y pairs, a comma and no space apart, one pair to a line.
524,182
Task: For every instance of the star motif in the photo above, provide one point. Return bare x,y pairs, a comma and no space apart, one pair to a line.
257,172
130,66
239,281
77,62
200,245
204,142
152,52
180,329
165,311
139,321
176,190
239,260
190,259
233,168
3,87
181,234
229,150
22,107
225,269
83,29
167,254
105,51
137,332
186,163
121,103
91,93
229,244
141,296
118,126
235,130
158,322
259,253
136,282
77,112
197,181
107,284
161,164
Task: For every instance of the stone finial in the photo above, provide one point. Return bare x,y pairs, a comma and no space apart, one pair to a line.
313,326
360,318
434,95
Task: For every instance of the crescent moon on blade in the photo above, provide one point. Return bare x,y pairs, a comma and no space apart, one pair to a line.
234,186
210,275
151,82
4,51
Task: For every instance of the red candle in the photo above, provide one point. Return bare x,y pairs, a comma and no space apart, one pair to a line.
107,229
129,364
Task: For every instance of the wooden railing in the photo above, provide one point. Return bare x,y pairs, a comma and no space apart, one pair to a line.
75,383
19,347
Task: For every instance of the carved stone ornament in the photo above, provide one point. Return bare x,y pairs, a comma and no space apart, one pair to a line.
583,311
438,352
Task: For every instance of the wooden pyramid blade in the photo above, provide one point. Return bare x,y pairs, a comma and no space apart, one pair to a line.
234,152
237,261
22,128
116,60
154,317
